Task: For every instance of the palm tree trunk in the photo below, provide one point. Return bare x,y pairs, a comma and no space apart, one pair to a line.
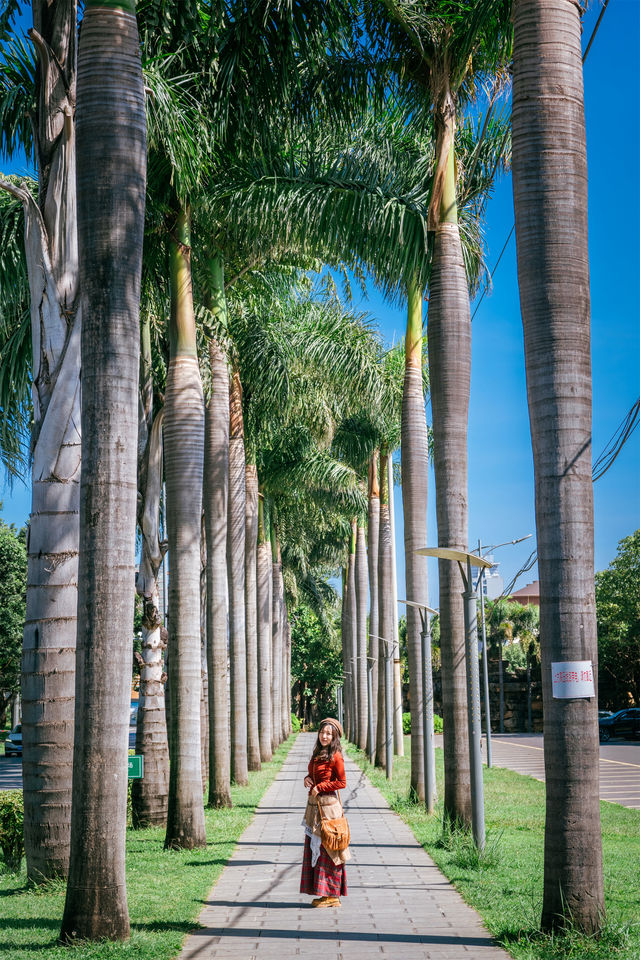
215,507
235,568
276,642
251,615
353,634
150,793
385,606
373,527
51,249
204,685
449,332
111,175
345,626
264,591
398,732
184,461
361,645
285,690
550,194
415,473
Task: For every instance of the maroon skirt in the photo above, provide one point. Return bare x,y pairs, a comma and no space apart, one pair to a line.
325,879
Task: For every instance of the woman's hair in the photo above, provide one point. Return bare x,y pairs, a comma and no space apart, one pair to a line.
331,748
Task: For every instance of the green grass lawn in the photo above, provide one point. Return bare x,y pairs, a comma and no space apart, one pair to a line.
166,889
506,889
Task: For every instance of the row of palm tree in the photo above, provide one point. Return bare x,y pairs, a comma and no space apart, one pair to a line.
400,205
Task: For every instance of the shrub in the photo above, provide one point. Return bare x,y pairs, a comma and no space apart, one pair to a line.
406,723
11,828
295,723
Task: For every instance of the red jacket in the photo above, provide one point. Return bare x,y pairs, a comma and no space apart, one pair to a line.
328,775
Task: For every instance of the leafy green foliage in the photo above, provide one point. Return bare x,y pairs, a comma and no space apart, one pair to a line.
516,627
13,586
618,614
11,828
316,665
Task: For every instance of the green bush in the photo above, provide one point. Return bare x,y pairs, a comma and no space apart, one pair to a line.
406,723
11,828
295,724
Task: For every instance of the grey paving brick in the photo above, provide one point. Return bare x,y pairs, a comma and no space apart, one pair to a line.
399,906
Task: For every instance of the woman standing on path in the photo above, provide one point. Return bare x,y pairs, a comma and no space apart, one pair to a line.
323,873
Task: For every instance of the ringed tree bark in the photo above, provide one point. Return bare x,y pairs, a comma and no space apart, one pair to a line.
361,635
373,526
235,572
264,601
216,507
550,196
415,473
111,179
449,333
149,795
276,640
353,633
184,456
385,605
251,615
51,248
345,626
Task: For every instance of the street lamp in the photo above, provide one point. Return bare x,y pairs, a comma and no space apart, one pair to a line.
473,679
427,705
388,702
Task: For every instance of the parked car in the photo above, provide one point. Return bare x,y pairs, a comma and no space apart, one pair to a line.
13,743
624,723
604,713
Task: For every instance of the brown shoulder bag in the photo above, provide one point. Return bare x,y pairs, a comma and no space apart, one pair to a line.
334,833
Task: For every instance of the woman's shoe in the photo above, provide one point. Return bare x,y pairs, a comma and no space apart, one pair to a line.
326,902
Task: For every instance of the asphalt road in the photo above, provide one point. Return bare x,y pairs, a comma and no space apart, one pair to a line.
619,764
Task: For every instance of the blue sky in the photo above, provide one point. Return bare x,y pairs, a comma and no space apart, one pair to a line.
501,497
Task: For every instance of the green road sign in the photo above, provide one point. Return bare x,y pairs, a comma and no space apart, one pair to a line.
136,768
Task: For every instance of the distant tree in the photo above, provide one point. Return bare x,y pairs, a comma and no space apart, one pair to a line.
316,664
13,586
618,614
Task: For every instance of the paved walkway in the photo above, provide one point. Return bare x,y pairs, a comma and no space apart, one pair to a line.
399,905
619,764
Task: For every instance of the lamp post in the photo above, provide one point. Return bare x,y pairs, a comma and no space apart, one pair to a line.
388,702
473,679
427,705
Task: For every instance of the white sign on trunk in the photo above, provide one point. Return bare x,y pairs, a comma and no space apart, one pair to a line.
572,679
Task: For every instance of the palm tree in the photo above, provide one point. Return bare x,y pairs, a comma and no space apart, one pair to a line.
111,193
216,509
361,644
276,640
149,793
441,50
184,460
46,92
373,526
235,566
550,196
251,615
264,600
385,606
415,471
